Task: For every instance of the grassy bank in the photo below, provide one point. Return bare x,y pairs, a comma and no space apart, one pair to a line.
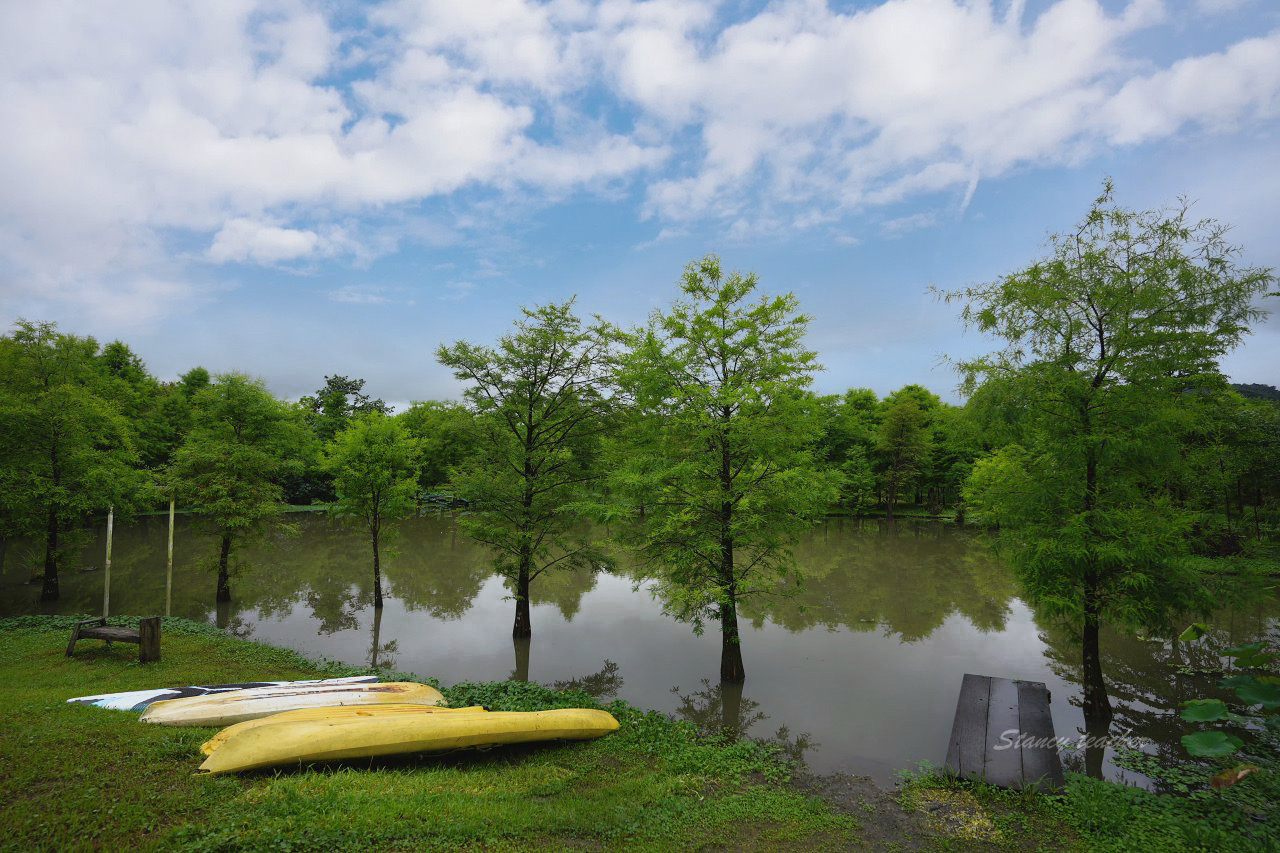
79,776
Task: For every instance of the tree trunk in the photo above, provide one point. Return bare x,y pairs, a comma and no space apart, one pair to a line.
224,557
731,669
731,709
1096,701
522,628
49,591
523,645
377,570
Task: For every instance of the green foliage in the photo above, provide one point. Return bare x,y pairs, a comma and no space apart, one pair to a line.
447,435
333,406
242,442
67,449
1104,339
374,466
540,412
1251,689
902,446
374,463
724,434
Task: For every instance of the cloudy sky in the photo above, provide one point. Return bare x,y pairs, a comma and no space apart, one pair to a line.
295,189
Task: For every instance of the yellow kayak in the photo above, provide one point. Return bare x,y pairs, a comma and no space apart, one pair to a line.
330,713
224,709
365,736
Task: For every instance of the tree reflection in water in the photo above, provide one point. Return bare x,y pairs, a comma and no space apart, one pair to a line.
601,685
380,653
905,578
722,710
1149,677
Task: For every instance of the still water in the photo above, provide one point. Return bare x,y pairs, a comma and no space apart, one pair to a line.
858,673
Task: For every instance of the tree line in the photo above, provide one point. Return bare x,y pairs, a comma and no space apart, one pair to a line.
1102,441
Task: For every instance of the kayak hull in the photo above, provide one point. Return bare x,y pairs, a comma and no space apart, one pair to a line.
328,713
347,737
225,709
138,700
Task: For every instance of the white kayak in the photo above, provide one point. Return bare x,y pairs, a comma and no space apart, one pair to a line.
137,700
224,709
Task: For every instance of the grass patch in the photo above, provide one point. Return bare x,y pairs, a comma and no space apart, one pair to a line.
80,776
976,816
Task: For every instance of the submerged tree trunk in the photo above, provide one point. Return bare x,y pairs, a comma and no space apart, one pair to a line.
377,570
523,645
731,669
731,709
377,637
522,627
224,558
49,590
1097,703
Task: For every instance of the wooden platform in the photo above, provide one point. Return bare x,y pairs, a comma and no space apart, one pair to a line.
146,636
994,718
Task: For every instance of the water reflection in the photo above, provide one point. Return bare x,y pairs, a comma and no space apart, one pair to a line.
723,709
868,658
380,653
865,574
603,684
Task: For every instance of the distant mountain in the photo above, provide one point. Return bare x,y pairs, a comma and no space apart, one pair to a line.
1258,392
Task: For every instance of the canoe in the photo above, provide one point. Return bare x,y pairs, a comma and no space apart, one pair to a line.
345,737
224,709
330,713
137,700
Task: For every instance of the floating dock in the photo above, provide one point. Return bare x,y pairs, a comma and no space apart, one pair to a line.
1003,734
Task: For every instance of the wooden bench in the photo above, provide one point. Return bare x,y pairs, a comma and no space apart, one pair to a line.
146,636
1003,734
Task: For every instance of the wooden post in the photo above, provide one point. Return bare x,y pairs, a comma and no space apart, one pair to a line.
149,639
168,576
106,578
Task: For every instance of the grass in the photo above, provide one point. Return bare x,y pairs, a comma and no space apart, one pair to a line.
78,776
1094,815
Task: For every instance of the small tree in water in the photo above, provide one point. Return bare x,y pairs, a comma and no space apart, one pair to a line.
242,441
722,464
374,463
1106,338
540,412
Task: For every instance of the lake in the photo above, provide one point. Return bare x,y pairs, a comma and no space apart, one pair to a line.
858,673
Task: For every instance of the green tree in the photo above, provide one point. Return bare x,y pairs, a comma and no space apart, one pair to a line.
335,404
1105,336
446,435
242,442
67,450
848,441
539,411
902,446
374,463
723,463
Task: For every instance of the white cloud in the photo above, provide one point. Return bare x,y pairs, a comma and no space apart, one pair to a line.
246,240
360,295
264,131
456,290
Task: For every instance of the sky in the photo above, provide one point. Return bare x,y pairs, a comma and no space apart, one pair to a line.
298,189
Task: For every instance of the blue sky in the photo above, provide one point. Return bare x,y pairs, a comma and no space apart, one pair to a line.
295,189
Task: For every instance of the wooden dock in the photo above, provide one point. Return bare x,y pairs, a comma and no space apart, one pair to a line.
995,717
